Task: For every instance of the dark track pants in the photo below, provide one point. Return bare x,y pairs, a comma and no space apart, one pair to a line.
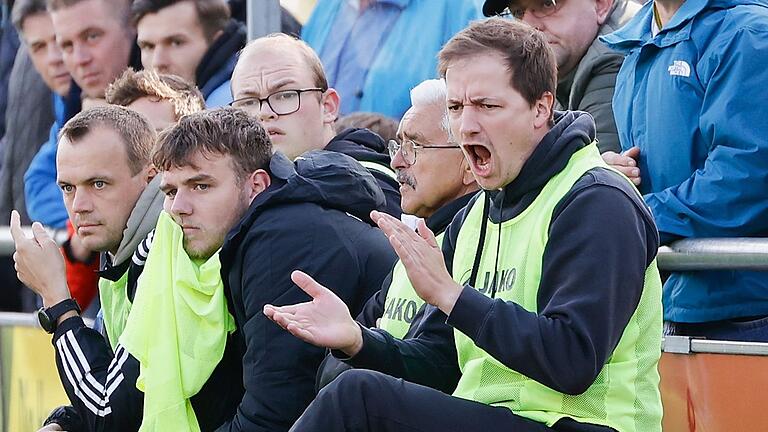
362,400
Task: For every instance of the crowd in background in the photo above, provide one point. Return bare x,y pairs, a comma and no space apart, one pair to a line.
669,86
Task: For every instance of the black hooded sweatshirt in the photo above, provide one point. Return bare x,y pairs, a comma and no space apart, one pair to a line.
602,238
314,217
370,149
219,60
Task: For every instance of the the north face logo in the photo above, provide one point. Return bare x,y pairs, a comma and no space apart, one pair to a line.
680,68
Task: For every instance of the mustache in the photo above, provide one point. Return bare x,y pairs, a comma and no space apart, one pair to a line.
404,178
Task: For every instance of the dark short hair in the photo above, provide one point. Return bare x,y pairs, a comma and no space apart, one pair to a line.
529,59
213,14
383,126
135,131
120,8
131,86
223,131
25,8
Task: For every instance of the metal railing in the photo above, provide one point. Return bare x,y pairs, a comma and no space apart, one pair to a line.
683,255
7,248
715,254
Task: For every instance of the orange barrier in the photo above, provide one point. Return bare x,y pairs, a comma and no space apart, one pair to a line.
707,392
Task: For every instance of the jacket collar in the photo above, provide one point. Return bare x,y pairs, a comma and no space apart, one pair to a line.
440,220
638,31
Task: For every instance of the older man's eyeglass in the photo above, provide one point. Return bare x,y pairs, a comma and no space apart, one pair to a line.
283,102
541,9
409,148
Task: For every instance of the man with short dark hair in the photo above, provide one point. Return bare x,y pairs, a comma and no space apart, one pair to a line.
280,80
280,215
96,40
548,279
586,68
195,39
105,174
33,22
162,100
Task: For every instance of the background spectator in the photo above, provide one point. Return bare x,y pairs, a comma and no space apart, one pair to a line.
689,113
194,39
97,42
280,80
381,125
376,51
586,68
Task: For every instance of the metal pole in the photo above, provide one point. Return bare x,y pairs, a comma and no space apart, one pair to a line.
715,254
7,247
263,17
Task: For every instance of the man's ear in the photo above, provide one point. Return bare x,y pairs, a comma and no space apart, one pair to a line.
603,10
151,172
543,107
330,102
258,181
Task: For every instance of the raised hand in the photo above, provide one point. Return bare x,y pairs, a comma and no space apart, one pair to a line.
626,163
39,263
423,261
325,321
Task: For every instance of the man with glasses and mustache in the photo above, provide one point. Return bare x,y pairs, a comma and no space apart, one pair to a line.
586,68
280,80
435,183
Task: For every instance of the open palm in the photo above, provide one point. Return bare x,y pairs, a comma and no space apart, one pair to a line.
325,321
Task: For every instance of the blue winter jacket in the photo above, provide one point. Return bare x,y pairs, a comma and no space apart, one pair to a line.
408,54
45,203
692,99
215,69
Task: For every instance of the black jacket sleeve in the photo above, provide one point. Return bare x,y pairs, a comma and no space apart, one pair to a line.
101,386
601,240
428,358
279,369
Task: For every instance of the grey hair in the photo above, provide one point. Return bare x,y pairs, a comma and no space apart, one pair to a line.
433,92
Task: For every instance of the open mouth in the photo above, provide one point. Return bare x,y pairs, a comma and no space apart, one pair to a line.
479,157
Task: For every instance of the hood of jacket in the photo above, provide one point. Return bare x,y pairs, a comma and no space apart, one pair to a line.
573,130
361,145
142,220
329,179
219,60
638,30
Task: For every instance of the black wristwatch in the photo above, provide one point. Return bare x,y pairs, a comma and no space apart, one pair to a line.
48,317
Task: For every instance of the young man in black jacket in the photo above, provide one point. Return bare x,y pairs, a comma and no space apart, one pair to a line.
549,284
277,215
280,80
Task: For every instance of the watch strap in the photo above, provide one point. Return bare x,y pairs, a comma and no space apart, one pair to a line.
56,311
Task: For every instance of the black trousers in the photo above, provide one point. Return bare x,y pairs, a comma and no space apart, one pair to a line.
362,400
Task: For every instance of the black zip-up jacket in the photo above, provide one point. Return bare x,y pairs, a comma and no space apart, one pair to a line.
219,60
601,240
374,307
365,146
314,217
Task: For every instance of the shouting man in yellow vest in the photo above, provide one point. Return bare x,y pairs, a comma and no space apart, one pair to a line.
549,280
